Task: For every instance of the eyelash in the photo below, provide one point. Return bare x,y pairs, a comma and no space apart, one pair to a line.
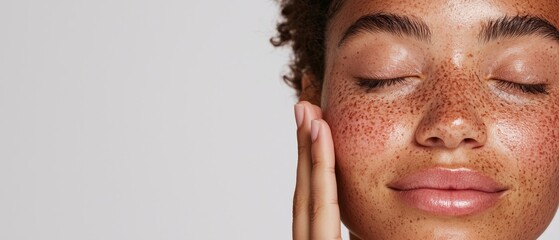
525,88
372,84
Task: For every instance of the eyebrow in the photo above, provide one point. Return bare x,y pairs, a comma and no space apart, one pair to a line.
389,23
518,26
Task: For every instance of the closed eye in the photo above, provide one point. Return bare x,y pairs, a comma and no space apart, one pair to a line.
373,84
524,88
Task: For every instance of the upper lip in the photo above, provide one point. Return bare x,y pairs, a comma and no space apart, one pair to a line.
448,179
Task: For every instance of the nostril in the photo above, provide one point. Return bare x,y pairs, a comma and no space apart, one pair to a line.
434,142
440,133
471,142
439,142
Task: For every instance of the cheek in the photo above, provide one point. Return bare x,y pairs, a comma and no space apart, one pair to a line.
363,125
368,134
365,129
357,130
530,138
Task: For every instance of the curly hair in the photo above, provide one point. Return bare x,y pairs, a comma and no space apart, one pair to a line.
303,27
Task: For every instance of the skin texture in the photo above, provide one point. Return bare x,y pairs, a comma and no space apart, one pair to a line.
449,113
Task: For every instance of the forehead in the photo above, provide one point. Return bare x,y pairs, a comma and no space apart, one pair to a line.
441,14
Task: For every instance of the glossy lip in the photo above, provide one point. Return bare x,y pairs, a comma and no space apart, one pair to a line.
451,192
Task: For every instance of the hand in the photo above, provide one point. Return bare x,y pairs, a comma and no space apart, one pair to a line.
316,214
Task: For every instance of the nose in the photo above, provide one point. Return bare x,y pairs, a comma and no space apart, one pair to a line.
450,122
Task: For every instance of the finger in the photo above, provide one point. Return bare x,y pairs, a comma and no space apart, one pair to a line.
316,111
305,112
325,213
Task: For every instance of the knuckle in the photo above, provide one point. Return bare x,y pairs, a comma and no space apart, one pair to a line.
318,209
317,163
301,149
315,210
300,205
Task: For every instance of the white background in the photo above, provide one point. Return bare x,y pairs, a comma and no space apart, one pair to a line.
137,119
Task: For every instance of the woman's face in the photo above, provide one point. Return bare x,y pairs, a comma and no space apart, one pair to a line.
445,117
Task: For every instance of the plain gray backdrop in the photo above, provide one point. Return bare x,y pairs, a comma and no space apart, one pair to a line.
137,119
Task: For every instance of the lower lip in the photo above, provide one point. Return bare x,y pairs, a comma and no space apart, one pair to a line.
449,202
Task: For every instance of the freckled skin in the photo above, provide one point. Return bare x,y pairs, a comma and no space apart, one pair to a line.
450,114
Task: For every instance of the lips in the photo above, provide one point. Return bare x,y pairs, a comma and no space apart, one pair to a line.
452,192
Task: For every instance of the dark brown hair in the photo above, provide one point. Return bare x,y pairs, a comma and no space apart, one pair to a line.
303,27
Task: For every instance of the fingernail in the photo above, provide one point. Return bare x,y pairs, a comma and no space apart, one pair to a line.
299,114
315,126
